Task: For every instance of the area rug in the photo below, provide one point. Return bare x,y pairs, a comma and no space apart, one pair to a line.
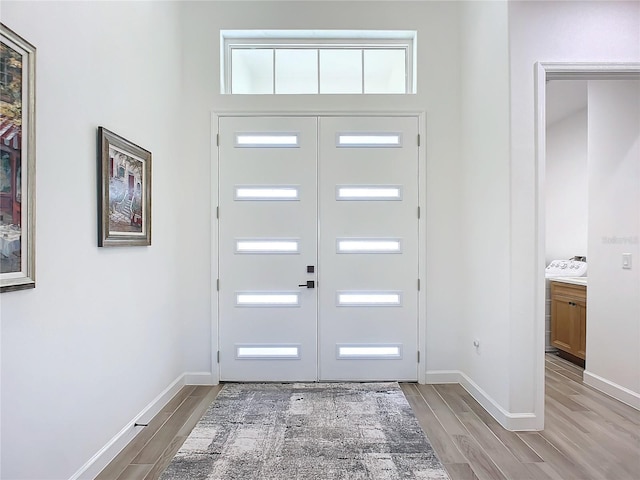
307,431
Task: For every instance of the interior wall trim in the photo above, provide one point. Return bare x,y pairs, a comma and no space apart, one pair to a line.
544,71
510,421
108,452
612,389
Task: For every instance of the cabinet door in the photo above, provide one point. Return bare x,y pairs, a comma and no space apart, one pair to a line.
569,318
562,330
580,311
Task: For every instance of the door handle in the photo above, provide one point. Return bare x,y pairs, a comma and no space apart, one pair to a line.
309,284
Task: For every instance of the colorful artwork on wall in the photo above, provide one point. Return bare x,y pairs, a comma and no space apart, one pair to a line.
124,192
17,162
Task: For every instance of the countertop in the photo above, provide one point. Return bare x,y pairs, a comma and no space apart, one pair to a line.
571,280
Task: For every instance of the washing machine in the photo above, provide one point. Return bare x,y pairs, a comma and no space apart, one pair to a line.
574,267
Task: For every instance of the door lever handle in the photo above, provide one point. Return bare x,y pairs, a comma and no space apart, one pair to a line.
309,284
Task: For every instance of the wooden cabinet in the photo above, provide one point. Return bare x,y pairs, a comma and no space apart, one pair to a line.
569,318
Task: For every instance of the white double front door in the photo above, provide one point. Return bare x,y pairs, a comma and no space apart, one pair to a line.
318,248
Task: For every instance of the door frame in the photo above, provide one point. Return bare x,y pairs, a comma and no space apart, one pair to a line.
545,71
422,222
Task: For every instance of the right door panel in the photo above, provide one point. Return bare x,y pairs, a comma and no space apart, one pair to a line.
368,249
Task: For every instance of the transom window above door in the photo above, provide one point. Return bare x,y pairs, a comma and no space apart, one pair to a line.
318,62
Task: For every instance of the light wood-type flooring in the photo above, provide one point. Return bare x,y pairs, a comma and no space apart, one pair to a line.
587,435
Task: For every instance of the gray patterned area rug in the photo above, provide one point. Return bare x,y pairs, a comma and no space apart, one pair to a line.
307,431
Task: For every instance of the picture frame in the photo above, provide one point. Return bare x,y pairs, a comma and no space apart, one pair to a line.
124,192
17,161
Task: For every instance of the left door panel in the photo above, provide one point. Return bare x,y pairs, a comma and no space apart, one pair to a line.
267,240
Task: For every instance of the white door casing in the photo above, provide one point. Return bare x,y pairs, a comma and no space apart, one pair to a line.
359,233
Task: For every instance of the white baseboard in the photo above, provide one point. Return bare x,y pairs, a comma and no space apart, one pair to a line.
443,376
199,378
107,453
612,389
510,421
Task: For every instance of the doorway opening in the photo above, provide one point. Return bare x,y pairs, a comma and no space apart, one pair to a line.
609,218
319,248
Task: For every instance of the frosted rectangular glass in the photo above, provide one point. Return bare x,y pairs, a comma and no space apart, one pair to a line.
267,246
385,71
262,140
369,352
352,245
296,71
368,193
264,351
369,299
267,193
267,299
252,70
341,71
369,140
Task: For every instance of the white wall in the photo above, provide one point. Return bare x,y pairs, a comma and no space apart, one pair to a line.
546,32
106,330
437,94
101,335
566,184
613,306
485,179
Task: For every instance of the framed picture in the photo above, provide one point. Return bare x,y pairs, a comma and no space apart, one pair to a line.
124,192
17,162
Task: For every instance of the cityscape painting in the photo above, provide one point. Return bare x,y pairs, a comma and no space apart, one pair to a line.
124,192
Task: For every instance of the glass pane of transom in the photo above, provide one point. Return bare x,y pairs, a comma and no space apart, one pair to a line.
296,71
384,71
340,71
252,70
